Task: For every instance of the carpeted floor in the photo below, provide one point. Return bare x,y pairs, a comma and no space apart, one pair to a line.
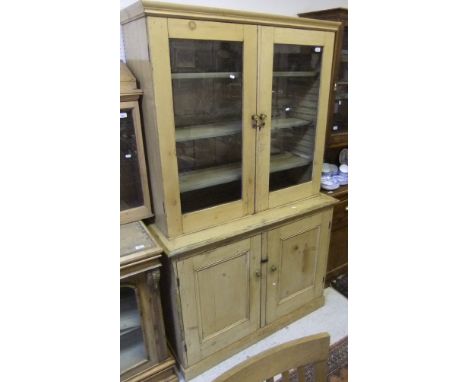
337,364
338,361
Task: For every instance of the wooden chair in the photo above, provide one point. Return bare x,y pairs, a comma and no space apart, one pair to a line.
282,359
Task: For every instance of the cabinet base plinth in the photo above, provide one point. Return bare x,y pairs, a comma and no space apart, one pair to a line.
221,355
162,372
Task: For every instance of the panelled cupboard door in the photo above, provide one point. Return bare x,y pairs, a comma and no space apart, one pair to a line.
293,89
297,259
206,72
220,296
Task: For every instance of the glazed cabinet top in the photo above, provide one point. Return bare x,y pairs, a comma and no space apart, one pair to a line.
235,109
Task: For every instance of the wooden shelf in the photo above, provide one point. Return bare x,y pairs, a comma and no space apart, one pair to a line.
194,180
284,123
194,76
129,319
286,161
212,130
197,179
295,74
124,332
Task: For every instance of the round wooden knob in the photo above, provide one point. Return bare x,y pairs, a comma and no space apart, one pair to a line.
192,25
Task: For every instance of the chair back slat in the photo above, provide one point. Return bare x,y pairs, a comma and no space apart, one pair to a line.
301,373
321,369
291,355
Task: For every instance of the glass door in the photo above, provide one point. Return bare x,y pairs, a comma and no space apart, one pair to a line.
213,84
294,86
134,191
339,123
133,350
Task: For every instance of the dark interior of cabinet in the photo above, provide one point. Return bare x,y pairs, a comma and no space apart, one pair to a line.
132,345
131,194
296,84
207,98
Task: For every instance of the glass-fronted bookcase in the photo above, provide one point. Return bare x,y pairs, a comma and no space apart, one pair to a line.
134,191
144,355
235,115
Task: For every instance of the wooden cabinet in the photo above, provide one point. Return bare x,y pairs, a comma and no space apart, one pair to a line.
337,131
143,350
338,253
134,192
222,299
337,138
235,109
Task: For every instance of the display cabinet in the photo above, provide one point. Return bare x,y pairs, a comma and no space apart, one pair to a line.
235,109
337,138
337,130
338,253
143,351
134,191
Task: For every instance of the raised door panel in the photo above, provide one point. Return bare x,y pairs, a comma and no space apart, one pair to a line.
297,258
206,73
220,296
292,98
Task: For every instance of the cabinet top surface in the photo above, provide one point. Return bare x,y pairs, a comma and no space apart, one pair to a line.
127,81
136,243
161,9
342,191
246,226
329,12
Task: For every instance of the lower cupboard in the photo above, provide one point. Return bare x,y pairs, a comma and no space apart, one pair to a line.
222,300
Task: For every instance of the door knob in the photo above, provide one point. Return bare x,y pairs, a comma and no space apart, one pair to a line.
255,121
273,268
258,274
263,118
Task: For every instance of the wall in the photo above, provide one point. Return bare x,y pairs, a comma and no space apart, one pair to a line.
284,7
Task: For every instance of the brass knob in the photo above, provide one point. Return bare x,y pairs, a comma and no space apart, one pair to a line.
258,274
255,121
263,118
273,268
